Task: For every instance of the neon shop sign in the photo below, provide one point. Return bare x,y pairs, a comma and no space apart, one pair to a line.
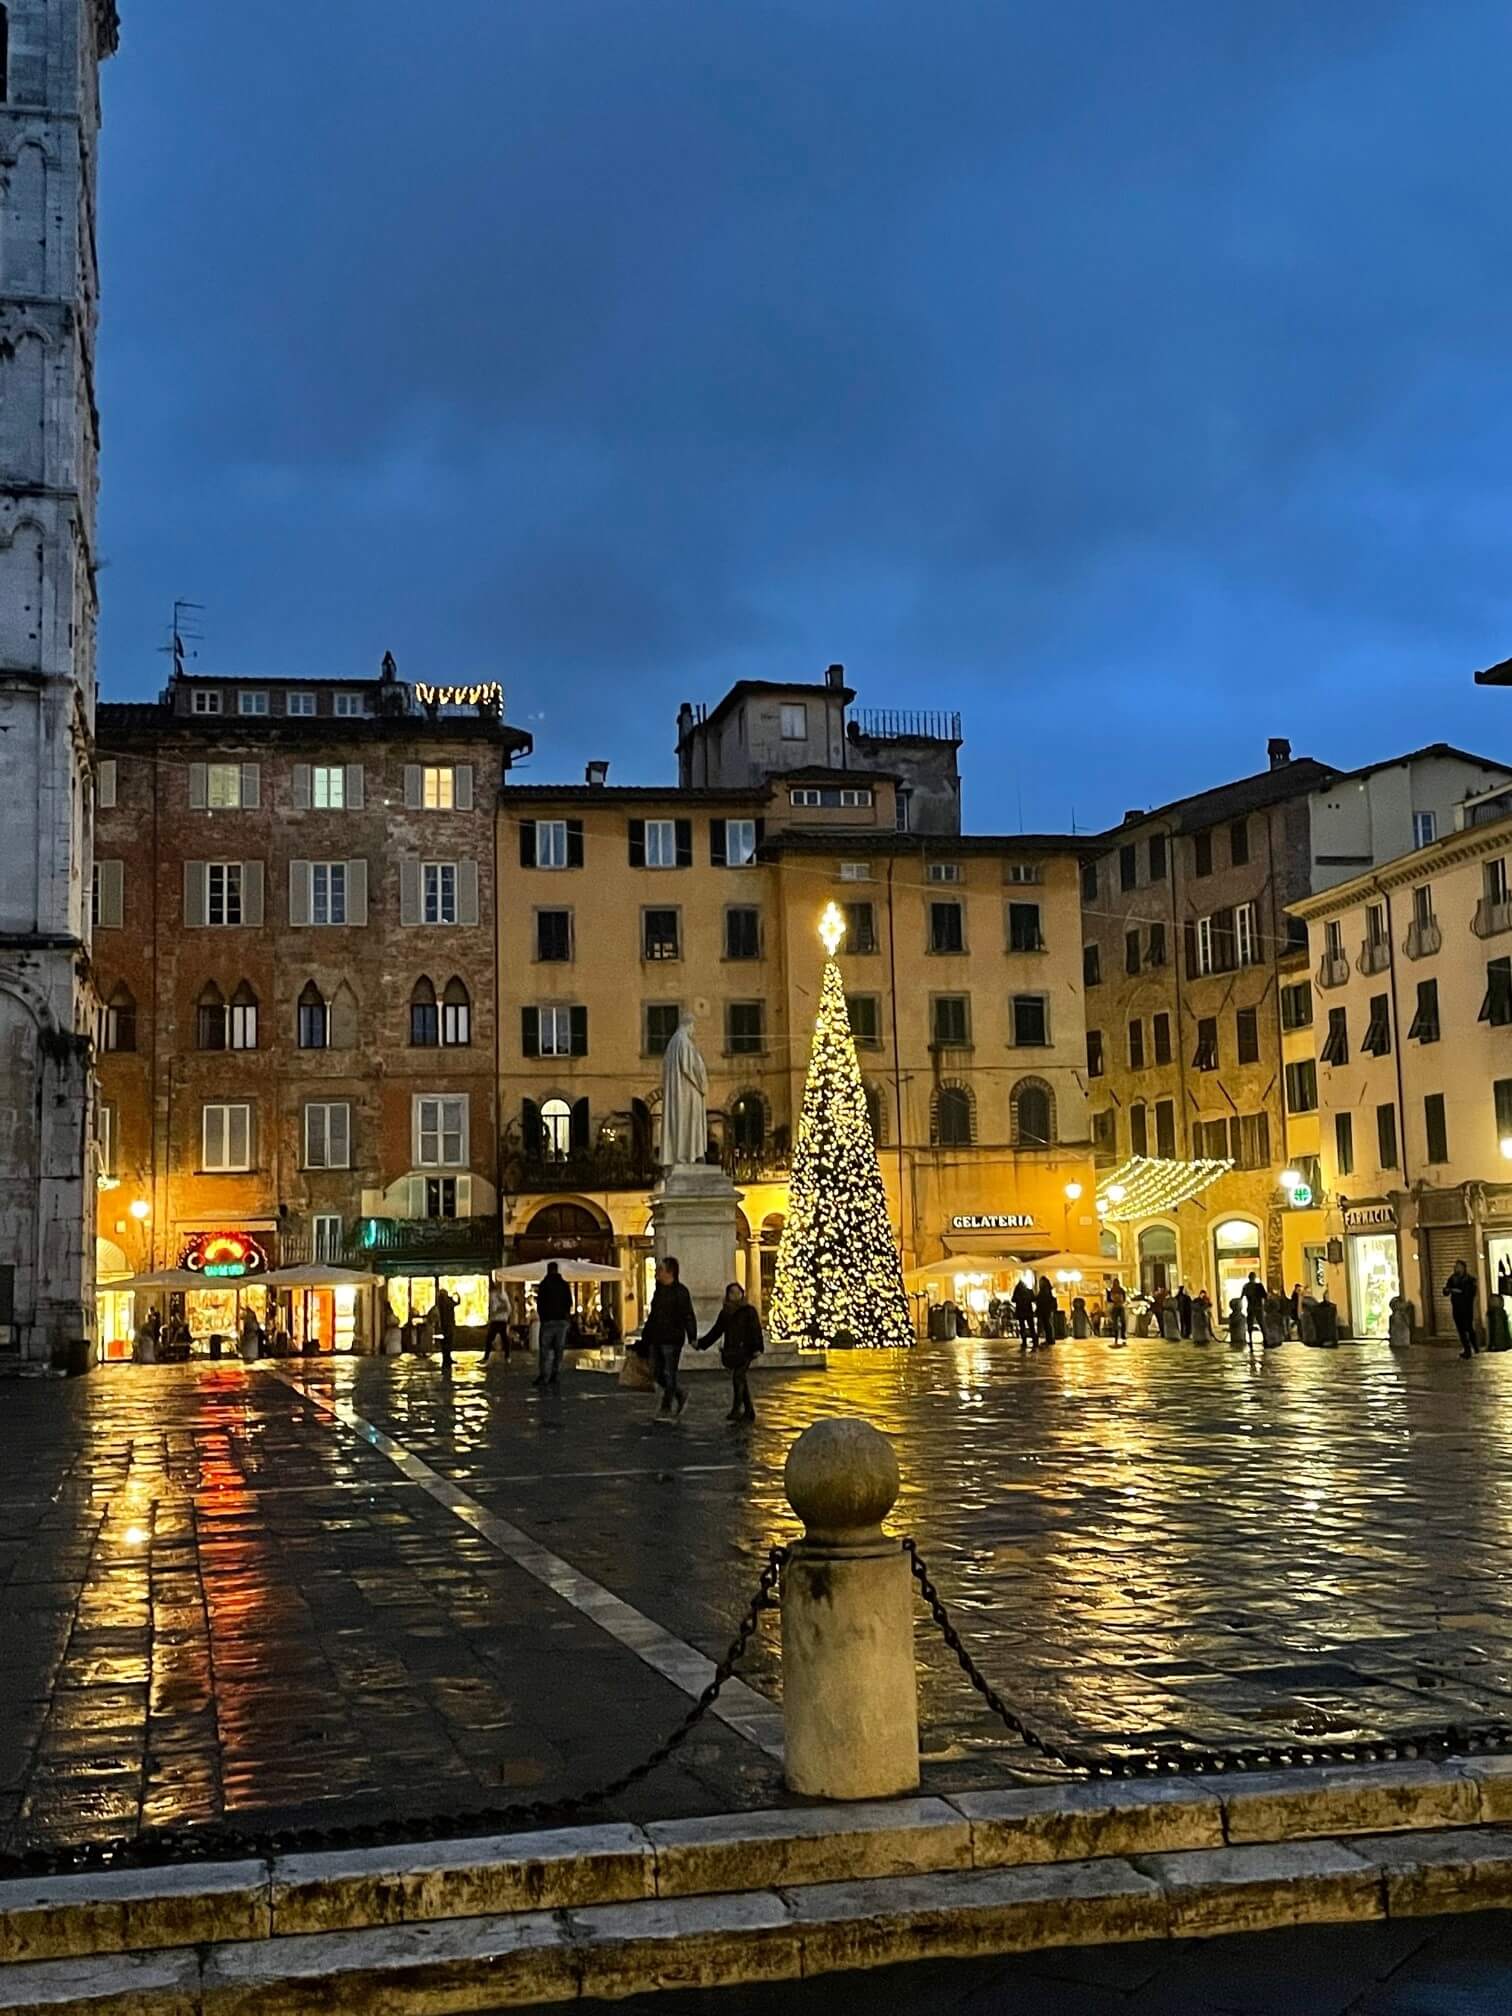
224,1256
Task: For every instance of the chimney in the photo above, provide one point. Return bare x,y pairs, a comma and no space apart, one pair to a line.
834,677
597,772
1134,812
1279,751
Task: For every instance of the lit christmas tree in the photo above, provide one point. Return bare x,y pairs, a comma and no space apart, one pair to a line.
839,1278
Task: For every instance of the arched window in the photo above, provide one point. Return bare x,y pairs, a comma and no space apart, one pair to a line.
242,1021
875,1112
210,1019
118,1020
1032,1114
425,1017
314,1019
456,1014
556,1129
953,1117
748,1123
341,1033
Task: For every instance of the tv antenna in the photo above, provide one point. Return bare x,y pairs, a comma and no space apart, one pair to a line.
182,634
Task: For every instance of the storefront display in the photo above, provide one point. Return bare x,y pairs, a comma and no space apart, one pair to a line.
1370,1239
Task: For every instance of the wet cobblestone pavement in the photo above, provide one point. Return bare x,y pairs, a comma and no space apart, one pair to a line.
218,1602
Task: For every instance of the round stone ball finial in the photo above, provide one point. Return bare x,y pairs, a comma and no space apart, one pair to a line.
841,1478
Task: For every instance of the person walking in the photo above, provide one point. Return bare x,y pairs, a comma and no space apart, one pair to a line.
670,1324
498,1320
1118,1314
1184,1310
1461,1290
1045,1309
1252,1294
446,1327
1022,1299
1294,1308
553,1309
740,1327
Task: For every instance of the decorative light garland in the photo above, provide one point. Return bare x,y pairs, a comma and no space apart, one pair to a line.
1149,1183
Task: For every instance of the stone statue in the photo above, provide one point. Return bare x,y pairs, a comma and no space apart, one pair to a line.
685,1112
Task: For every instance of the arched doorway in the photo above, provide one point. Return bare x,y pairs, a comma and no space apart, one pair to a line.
1236,1255
1157,1259
566,1232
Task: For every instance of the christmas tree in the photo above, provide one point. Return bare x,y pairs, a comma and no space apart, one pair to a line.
839,1278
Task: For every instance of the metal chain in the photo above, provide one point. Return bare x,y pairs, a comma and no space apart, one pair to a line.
178,1845
1183,1760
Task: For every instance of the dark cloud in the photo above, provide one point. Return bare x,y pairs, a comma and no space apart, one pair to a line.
1135,380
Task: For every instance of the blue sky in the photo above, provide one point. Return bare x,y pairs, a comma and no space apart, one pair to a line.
1135,380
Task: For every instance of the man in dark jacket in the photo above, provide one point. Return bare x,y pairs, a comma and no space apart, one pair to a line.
1022,1299
553,1308
1252,1294
740,1327
1461,1290
1183,1310
669,1325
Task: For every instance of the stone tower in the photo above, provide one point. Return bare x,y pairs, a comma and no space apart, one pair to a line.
50,56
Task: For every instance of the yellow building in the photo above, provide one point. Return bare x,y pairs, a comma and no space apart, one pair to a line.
621,908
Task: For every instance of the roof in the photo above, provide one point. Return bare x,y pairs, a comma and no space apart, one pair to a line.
844,840
826,773
1496,675
143,720
746,689
1227,801
1426,754
636,794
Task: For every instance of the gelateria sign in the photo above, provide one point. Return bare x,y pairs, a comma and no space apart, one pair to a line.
224,1256
992,1221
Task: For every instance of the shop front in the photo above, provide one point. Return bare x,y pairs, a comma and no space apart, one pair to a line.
1236,1255
1373,1263
416,1259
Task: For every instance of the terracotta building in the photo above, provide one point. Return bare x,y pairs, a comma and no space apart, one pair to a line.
294,955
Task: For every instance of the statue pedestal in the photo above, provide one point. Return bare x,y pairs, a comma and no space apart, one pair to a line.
693,1211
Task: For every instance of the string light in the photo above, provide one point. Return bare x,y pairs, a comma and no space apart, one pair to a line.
1146,1184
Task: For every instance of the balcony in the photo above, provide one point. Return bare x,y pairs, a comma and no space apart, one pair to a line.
1493,916
401,1245
612,1165
1375,956
1333,970
1423,938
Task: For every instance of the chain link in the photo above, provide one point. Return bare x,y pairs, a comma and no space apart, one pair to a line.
1190,1760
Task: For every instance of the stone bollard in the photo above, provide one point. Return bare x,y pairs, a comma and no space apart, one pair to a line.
850,1706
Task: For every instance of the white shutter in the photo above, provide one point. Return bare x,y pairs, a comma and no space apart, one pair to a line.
464,1196
356,892
356,787
251,786
339,1137
462,787
105,795
417,1197
214,1143
111,876
413,789
199,787
467,892
411,909
239,1132
194,892
314,1138
252,893
301,787
299,892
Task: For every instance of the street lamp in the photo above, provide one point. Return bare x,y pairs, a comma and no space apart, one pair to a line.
140,1209
1290,1178
1073,1191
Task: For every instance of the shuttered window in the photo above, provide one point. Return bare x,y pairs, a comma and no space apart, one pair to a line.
328,1135
226,1138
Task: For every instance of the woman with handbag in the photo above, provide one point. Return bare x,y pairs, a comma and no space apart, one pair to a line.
740,1327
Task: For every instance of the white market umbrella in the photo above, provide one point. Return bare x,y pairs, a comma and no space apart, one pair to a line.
177,1278
317,1275
570,1270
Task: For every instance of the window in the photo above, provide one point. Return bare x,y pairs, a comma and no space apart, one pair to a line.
425,1016
1501,1092
210,1019
943,871
348,704
1202,854
1206,1056
556,1130
874,1110
1494,880
553,936
252,703
865,1011
438,787
1032,1112
1333,940
1091,966
1249,1140
830,796
1386,1136
314,1018
1022,871
327,1242
739,842
328,787
1246,934
1136,1045
1247,1036
205,701
662,1018
1425,1023
1377,1041
1165,1129
1302,1086
223,892
860,928
1024,933
950,1021
1210,1140
550,850
226,1138
1095,1060
118,1020
107,895
440,1196
1344,1143
1205,945
660,935
1336,1044
745,1028
241,1022
224,790
1131,951
1375,926
441,1133
901,799
1157,857
1089,882
1422,905
743,932
855,871
1435,1126
1139,1128
661,843
438,881
299,703
1031,1020
1297,1005
794,719
947,927
952,1117
1424,833
1105,1135
1128,866
1496,1008
328,1135
1156,953
1239,843
456,1015
105,783
328,892
554,1024
1161,1029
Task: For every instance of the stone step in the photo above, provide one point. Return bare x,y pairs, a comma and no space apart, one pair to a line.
207,1903
781,1933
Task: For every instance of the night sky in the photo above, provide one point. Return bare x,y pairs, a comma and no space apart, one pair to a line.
1134,379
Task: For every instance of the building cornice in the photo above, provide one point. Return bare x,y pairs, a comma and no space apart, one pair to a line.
1473,843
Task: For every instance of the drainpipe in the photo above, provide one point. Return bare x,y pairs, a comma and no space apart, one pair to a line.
892,978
